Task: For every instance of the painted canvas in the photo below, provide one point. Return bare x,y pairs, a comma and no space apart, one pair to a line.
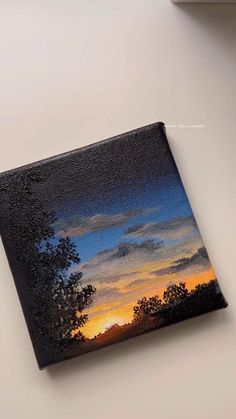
103,245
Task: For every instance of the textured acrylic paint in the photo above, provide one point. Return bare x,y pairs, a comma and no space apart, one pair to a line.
103,245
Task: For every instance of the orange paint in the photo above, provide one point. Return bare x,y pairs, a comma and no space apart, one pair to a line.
104,315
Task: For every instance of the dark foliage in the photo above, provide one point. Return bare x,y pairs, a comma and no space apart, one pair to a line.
54,299
178,303
154,313
174,294
147,306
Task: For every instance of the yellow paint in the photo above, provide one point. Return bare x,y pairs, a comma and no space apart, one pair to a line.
105,315
100,323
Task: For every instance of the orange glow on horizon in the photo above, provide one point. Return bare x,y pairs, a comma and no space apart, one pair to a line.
123,314
100,323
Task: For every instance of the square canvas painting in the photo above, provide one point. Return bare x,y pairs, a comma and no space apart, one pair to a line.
103,245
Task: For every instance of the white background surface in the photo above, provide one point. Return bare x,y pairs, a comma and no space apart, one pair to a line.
73,72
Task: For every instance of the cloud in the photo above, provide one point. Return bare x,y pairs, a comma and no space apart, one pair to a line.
106,295
175,229
136,283
129,271
200,258
125,249
111,265
126,261
78,225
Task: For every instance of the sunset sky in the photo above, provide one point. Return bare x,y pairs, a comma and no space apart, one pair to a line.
130,252
133,228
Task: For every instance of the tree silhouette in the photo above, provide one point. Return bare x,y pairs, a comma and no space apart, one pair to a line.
206,296
176,305
175,293
147,306
71,301
53,299
179,303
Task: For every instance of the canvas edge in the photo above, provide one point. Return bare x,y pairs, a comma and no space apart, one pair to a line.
7,246
82,149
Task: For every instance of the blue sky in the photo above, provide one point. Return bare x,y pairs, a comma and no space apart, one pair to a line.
166,197
124,206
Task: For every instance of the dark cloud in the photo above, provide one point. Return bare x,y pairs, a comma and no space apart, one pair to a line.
199,258
106,266
203,252
124,249
134,229
127,260
164,271
177,228
79,225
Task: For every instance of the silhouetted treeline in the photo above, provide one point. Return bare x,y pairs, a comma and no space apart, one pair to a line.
153,313
178,303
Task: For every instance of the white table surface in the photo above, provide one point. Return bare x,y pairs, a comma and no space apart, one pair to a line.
73,72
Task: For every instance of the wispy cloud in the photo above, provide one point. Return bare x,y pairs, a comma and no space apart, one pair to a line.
200,258
128,261
175,229
130,271
121,261
78,225
136,283
125,249
107,295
